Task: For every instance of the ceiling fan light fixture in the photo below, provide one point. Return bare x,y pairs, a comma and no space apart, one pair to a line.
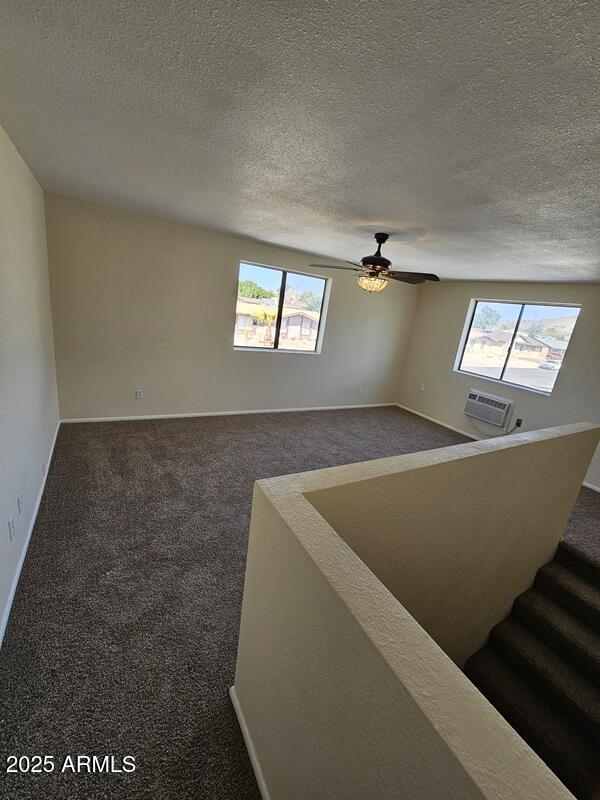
374,271
372,283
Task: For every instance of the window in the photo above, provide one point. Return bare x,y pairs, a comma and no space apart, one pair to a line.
278,310
518,343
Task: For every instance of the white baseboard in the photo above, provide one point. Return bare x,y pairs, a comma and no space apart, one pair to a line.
21,561
592,486
437,421
225,413
258,773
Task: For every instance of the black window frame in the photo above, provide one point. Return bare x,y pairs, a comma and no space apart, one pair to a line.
474,303
279,317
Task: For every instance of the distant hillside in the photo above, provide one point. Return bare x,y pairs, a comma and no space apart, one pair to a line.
559,328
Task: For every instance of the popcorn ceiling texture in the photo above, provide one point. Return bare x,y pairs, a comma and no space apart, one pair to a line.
467,129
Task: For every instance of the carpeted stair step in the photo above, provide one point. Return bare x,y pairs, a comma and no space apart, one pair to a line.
574,560
563,747
573,640
566,688
571,591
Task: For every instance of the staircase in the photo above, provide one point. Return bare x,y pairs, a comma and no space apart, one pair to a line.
541,670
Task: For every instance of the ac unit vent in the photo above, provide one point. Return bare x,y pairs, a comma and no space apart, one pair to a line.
488,408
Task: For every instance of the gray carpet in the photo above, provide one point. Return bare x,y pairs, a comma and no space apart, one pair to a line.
123,634
583,531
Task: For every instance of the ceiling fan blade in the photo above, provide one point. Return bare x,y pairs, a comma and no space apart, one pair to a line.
404,279
333,266
412,277
354,264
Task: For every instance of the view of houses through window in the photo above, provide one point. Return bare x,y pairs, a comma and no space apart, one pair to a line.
278,309
519,343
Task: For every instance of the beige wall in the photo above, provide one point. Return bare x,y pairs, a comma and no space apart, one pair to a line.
439,532
441,314
28,401
339,691
144,303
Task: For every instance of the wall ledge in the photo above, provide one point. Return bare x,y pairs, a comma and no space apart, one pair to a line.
587,484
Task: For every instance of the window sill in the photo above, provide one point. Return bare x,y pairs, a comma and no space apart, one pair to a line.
272,350
503,383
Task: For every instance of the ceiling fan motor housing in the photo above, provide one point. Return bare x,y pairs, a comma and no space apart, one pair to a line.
377,262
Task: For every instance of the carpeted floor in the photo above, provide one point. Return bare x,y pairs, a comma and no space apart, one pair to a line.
583,531
123,634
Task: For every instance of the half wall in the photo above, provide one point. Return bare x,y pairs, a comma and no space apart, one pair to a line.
341,693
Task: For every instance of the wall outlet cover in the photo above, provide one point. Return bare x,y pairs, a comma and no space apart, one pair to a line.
139,394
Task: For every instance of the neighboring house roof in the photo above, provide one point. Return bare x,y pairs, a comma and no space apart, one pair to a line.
553,344
505,337
499,336
250,306
290,311
496,337
530,340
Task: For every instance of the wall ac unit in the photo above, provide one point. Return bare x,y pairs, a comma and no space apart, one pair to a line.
488,407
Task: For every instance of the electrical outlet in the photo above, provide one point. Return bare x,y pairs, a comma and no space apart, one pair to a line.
11,527
519,422
20,503
361,389
422,387
139,394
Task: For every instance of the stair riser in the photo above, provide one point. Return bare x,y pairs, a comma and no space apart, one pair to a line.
587,663
541,670
587,614
571,774
578,565
579,715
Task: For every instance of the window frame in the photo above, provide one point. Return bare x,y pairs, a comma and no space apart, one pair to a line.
472,308
322,315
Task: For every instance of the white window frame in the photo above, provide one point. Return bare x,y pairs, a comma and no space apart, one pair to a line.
467,328
322,317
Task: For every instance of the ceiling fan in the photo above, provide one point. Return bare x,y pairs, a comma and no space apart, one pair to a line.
375,273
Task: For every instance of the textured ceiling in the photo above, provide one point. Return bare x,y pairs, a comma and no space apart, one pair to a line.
468,129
